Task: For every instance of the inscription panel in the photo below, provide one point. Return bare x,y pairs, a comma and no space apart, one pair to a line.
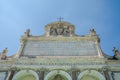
60,48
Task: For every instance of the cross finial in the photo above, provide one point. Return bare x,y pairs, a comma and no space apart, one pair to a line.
60,19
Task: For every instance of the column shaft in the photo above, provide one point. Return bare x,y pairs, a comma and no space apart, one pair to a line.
74,75
106,75
11,75
41,75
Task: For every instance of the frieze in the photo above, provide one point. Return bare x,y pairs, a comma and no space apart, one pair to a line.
112,62
58,63
6,62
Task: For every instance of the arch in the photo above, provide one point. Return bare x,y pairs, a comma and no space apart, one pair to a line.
90,74
24,73
57,72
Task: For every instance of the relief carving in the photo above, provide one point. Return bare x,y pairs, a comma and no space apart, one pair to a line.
53,31
59,30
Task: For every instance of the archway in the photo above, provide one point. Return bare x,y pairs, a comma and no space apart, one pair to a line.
58,75
26,75
90,75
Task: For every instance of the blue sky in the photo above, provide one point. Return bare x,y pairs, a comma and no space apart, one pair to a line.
18,15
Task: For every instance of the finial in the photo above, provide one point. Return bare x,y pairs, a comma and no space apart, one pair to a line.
4,54
115,50
5,50
60,19
116,53
27,33
92,32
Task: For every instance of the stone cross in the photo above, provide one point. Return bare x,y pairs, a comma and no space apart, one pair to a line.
60,19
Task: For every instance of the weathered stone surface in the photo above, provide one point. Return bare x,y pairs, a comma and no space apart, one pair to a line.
59,54
116,75
3,75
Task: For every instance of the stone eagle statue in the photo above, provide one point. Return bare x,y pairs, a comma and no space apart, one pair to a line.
116,53
3,55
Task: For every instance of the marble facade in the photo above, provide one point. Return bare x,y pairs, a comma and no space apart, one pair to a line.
60,54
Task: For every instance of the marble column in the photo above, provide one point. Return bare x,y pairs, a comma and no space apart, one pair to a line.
11,75
74,77
107,75
41,75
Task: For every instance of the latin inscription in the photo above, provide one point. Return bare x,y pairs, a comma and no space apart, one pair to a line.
60,48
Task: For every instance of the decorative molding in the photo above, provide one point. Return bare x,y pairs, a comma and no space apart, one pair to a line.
60,72
93,73
25,72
